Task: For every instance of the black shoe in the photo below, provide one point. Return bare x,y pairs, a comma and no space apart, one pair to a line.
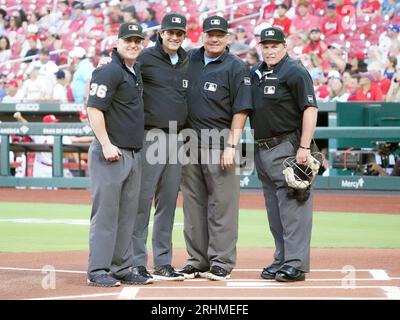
132,278
167,273
289,274
141,271
191,272
269,272
218,274
102,280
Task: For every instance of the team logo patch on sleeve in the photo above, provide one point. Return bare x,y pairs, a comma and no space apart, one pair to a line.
185,83
310,98
269,90
247,81
209,86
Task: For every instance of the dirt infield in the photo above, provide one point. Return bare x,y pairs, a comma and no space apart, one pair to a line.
248,200
336,274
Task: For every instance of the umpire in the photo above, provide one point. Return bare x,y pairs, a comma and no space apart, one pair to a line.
115,110
284,120
219,98
164,69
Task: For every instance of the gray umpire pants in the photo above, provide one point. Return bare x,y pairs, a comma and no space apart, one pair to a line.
115,195
290,221
211,210
159,181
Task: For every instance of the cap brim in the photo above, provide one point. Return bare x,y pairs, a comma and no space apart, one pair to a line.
272,40
216,29
132,35
174,28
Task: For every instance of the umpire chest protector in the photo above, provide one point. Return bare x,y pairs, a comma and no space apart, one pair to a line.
280,95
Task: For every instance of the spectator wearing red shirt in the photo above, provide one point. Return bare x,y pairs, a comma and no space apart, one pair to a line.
79,20
194,31
368,91
332,23
316,45
345,8
304,21
282,21
267,10
372,7
381,81
318,7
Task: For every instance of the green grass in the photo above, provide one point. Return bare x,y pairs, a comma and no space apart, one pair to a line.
333,229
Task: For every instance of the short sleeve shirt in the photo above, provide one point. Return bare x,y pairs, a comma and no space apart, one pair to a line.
280,96
218,90
119,94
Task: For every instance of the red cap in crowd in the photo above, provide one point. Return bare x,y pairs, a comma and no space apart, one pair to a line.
43,37
67,11
83,114
33,37
50,118
12,83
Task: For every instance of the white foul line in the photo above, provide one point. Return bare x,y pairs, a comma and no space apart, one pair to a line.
379,274
79,296
128,293
392,292
41,270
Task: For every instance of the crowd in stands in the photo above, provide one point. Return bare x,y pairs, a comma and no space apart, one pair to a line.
350,47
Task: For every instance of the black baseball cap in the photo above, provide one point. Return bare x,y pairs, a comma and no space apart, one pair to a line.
215,23
172,21
127,30
272,34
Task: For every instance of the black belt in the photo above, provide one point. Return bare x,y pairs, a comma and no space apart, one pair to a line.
135,150
269,143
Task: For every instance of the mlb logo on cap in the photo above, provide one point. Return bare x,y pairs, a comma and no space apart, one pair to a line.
127,30
215,23
176,20
173,21
273,34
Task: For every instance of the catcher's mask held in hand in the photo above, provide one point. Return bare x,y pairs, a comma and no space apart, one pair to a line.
301,176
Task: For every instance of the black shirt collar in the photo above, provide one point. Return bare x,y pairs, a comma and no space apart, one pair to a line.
201,51
118,59
275,68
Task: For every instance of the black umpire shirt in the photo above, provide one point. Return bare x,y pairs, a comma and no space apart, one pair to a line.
217,91
165,87
280,96
116,91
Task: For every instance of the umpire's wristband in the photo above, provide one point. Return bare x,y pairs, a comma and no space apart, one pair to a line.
300,146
